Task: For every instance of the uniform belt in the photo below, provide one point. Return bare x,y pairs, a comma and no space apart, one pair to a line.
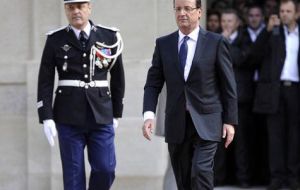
79,83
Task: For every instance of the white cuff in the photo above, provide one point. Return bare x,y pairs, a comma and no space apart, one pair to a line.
149,115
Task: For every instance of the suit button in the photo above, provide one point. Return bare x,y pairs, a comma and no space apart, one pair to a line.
84,65
65,57
107,92
60,91
86,86
86,76
84,55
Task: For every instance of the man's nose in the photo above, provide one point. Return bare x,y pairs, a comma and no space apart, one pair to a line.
76,10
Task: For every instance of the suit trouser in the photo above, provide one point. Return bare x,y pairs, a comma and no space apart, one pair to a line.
193,160
169,178
242,141
99,140
283,134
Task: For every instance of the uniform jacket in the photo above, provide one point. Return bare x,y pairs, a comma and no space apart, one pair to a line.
209,93
71,103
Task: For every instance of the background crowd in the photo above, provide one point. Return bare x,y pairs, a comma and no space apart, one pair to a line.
264,46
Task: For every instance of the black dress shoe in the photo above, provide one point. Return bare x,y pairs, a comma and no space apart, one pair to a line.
275,185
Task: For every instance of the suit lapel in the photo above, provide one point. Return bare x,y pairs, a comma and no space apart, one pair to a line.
282,47
299,50
200,49
174,53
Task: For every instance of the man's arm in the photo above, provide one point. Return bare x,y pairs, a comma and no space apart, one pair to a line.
228,91
227,84
153,86
117,87
45,92
46,83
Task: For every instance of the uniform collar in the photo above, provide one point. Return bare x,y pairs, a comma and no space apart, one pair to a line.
87,30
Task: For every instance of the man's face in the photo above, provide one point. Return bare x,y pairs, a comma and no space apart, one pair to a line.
213,23
287,13
187,15
229,22
270,7
78,14
255,18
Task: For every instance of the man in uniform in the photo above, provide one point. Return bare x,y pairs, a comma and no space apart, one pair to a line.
86,107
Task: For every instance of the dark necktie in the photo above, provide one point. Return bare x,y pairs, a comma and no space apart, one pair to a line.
82,38
183,52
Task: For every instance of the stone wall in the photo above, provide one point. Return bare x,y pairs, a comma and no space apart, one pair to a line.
27,162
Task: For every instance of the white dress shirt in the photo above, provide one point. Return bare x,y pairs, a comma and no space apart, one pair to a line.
192,42
233,36
87,30
290,67
254,33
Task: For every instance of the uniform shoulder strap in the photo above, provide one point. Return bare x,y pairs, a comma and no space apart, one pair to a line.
108,28
56,30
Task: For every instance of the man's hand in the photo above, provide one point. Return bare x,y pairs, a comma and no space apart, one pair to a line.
148,128
50,130
228,133
273,21
226,33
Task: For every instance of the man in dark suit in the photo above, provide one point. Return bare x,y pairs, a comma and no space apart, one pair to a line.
231,30
201,96
84,109
256,124
278,93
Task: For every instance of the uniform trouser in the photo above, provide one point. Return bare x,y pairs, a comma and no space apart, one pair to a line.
192,160
283,135
99,140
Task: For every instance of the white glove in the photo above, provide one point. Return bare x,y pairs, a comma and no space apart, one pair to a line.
115,123
50,130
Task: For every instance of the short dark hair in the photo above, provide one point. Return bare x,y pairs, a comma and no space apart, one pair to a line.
198,3
255,6
230,11
286,1
211,12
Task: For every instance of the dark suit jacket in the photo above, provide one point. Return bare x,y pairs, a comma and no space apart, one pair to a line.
71,102
268,88
209,93
245,57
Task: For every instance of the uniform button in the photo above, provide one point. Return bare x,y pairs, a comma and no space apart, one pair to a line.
59,91
65,57
84,55
86,76
84,65
86,87
107,92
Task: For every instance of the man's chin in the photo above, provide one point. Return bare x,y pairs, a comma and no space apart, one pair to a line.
77,24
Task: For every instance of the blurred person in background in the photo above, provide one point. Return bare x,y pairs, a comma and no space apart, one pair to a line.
213,21
277,95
